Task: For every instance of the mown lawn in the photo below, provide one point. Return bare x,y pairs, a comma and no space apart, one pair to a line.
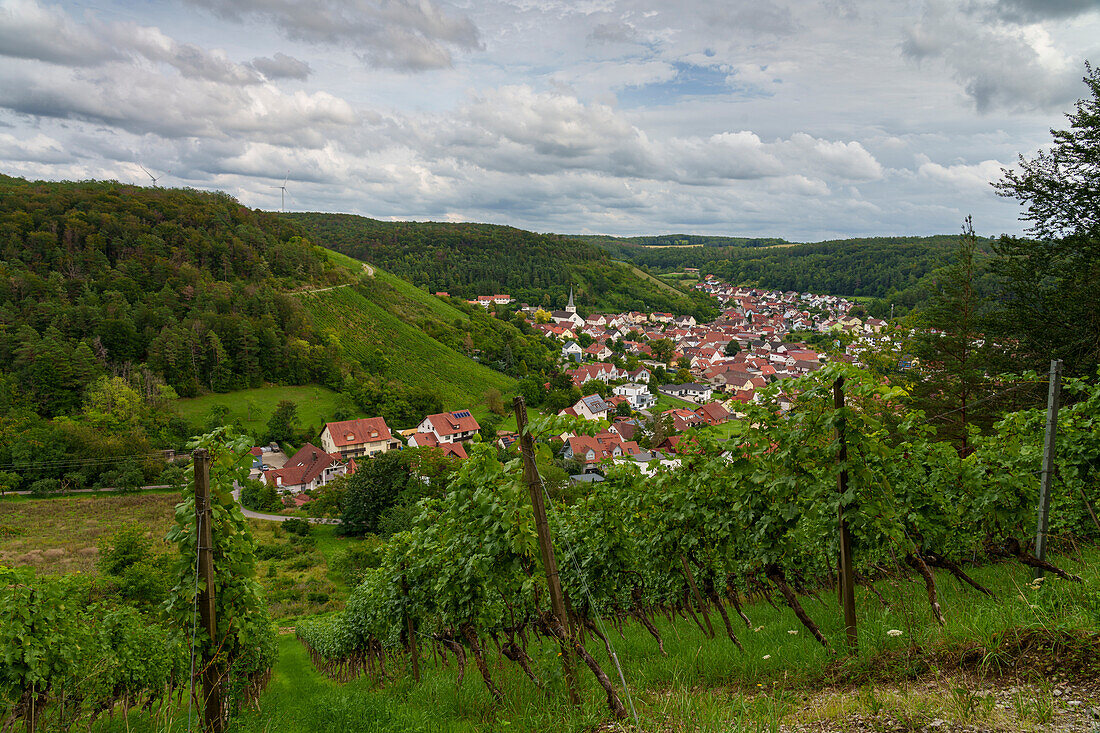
254,407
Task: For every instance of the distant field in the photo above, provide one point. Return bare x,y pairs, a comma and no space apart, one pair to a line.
59,534
412,357
663,285
253,407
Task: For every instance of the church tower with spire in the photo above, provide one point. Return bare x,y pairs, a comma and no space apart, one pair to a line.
570,308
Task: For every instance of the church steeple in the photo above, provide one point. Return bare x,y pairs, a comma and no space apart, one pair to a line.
571,308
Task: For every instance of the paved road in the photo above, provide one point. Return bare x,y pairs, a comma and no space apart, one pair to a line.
279,517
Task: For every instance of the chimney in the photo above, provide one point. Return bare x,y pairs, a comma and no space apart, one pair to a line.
314,455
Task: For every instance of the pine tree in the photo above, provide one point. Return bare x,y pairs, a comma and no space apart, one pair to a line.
952,347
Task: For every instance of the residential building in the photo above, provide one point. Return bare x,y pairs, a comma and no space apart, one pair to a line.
307,469
590,407
446,427
637,395
354,438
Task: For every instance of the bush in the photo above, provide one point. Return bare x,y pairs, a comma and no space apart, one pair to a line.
260,497
297,526
357,559
45,486
273,552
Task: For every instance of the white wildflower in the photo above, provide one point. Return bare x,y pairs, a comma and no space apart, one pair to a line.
793,632
894,632
767,656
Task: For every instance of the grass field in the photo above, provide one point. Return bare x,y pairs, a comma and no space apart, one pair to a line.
412,357
664,402
660,283
253,407
59,534
1025,661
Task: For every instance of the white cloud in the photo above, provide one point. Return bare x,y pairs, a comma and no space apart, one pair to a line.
1000,65
30,30
412,35
973,178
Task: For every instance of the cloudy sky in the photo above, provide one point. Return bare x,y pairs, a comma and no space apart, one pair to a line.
804,119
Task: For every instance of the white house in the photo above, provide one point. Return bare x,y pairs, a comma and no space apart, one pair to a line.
637,394
448,427
572,350
590,407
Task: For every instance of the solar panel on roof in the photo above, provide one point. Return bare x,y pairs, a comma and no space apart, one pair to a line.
463,413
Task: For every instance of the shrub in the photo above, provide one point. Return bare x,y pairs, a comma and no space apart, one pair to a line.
260,497
297,526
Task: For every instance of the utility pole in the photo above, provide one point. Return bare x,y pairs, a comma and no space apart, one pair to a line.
1054,394
847,577
204,515
546,546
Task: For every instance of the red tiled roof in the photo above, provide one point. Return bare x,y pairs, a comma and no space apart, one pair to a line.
356,432
452,423
602,446
713,412
304,466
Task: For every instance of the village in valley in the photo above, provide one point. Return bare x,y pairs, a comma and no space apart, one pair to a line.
646,378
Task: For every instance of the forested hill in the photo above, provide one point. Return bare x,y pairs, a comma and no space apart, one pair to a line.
620,246
877,266
468,260
189,288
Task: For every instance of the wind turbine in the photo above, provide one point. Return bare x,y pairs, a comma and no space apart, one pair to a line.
283,192
154,178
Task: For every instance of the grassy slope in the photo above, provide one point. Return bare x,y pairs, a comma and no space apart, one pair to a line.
413,357
709,685
896,683
659,283
253,407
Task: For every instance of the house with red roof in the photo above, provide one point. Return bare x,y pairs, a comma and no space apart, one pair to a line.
713,413
591,449
368,436
307,469
446,427
428,440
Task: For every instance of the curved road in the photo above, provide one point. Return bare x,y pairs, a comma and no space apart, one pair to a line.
278,517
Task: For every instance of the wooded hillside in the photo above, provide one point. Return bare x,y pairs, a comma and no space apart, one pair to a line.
467,260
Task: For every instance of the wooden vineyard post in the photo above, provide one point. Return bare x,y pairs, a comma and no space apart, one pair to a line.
546,547
204,515
411,631
847,576
1054,394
